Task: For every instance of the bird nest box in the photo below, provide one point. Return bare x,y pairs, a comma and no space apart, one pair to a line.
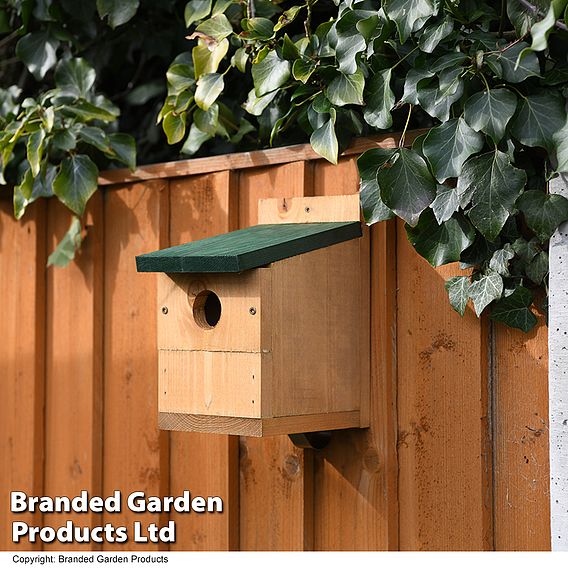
265,330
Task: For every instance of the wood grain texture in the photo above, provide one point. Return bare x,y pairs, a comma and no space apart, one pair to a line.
359,466
203,206
318,209
245,160
135,451
443,440
258,427
276,479
520,422
73,430
22,363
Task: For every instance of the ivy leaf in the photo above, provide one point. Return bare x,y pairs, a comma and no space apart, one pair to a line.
508,67
434,33
350,41
75,182
441,243
69,245
270,74
74,77
38,52
526,250
540,116
87,111
124,146
438,100
196,10
346,89
514,310
257,29
407,187
195,139
207,121
485,290
446,203
409,15
493,185
324,141
523,17
538,267
207,57
543,213
96,137
458,293
118,11
209,87
34,148
449,145
218,27
541,29
379,100
302,69
256,105
490,111
560,139
174,126
500,260
411,84
23,194
374,210
180,77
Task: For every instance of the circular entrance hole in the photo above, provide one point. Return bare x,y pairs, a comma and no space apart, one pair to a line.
207,309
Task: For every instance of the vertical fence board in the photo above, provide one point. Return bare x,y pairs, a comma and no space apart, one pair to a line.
276,478
522,506
443,449
205,464
22,342
355,477
135,451
73,430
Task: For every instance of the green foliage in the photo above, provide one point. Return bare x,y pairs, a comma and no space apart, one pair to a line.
488,80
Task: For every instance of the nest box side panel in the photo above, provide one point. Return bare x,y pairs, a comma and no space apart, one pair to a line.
317,348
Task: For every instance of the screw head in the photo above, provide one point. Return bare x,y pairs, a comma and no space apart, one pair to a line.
252,311
165,310
307,209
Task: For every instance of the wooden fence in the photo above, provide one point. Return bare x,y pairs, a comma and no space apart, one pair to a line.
457,454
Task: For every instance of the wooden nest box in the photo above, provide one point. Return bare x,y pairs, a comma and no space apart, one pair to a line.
265,330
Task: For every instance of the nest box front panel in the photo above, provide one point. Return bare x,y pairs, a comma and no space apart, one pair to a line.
210,342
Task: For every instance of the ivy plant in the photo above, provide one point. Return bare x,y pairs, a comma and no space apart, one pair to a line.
488,81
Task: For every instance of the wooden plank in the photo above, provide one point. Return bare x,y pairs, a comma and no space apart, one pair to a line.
237,328
355,477
443,439
211,383
207,464
520,423
309,209
558,372
258,427
319,362
245,160
73,431
276,487
135,452
22,351
248,248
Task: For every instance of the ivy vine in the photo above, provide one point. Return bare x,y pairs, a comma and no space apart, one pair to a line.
488,80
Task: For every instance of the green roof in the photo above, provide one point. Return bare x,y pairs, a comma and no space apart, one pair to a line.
248,248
